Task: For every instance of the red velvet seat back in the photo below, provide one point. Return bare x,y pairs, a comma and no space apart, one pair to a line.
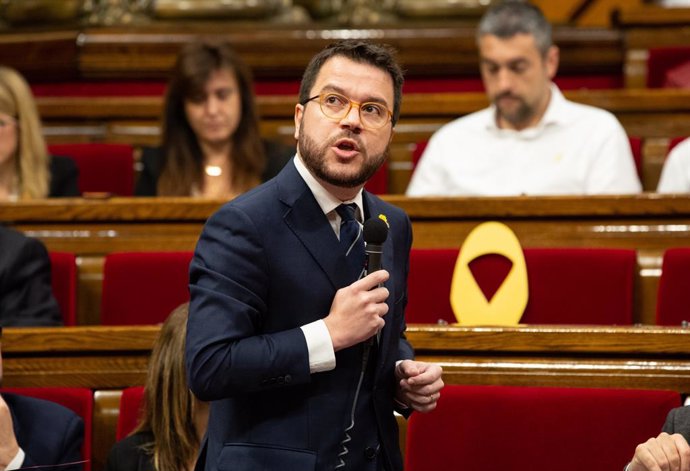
378,183
675,141
79,400
498,428
566,286
636,148
673,296
103,168
64,283
143,287
661,61
131,411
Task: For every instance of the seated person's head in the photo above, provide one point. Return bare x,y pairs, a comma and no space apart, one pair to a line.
210,112
517,62
24,171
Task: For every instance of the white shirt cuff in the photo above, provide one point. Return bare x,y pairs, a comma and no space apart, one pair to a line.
17,461
320,346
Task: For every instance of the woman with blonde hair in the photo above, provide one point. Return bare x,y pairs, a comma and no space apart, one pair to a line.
211,146
169,434
26,169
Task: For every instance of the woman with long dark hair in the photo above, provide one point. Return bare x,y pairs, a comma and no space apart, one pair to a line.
211,145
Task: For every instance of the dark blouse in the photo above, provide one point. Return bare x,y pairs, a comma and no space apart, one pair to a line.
277,155
128,455
64,177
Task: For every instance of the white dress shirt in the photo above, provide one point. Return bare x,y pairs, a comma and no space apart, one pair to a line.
574,150
675,176
319,343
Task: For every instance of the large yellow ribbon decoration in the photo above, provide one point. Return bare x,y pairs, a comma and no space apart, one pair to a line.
510,300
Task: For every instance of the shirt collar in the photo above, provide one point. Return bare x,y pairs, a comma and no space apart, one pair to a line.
326,201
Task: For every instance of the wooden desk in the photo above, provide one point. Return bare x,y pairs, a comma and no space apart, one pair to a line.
648,223
108,359
622,357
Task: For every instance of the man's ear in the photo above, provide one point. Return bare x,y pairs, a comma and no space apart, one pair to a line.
552,60
299,113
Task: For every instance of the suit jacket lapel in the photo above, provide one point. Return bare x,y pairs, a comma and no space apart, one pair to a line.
306,219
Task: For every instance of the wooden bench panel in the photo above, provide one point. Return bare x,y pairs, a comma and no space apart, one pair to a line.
648,223
615,357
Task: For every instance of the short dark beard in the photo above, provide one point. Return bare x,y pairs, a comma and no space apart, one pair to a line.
523,114
314,158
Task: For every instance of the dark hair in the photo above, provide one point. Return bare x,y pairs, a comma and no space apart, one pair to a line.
509,18
379,55
182,166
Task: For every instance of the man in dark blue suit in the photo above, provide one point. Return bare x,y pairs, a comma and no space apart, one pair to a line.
34,432
26,296
304,362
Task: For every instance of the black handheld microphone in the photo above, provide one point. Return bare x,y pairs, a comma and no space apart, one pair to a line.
375,233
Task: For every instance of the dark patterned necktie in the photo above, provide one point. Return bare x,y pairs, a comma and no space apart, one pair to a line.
351,237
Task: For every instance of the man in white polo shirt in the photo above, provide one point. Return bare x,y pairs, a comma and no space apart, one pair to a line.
531,140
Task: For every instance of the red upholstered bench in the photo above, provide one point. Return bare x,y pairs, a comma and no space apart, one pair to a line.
64,284
673,296
103,168
498,428
131,410
143,287
566,285
662,61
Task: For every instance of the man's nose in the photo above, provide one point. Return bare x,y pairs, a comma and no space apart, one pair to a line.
352,119
504,80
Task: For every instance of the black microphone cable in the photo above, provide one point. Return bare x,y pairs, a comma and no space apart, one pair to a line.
375,234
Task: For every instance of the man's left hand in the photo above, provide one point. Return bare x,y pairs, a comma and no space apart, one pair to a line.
419,384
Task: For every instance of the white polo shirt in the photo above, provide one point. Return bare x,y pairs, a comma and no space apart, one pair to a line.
675,176
575,150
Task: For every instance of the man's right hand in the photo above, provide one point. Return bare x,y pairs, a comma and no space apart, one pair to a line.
357,311
8,442
663,453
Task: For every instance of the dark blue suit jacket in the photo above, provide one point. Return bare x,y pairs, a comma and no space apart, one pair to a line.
26,295
49,433
267,263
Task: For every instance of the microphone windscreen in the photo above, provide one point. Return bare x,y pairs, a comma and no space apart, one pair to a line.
375,231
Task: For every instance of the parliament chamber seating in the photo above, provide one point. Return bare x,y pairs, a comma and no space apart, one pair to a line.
674,141
668,67
378,183
103,167
64,284
495,428
566,285
143,287
673,299
131,410
79,400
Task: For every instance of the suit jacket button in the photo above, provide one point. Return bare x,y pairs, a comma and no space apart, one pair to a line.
370,453
288,379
